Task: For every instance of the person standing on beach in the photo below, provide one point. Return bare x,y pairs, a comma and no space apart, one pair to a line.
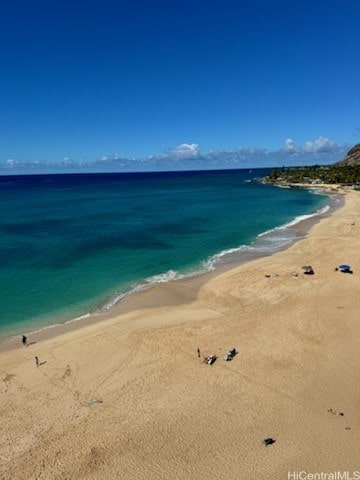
37,362
24,340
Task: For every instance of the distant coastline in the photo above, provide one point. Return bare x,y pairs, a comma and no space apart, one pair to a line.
344,173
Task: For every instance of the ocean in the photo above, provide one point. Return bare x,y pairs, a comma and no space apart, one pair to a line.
74,244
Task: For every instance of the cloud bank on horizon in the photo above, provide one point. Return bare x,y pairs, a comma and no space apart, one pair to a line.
188,156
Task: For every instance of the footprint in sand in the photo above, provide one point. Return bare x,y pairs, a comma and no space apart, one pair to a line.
67,373
9,380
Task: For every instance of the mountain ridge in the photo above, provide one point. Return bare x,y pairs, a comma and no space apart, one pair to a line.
351,159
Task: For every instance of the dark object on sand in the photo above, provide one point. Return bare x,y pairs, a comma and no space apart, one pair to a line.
341,414
308,270
230,355
345,269
24,340
211,359
268,441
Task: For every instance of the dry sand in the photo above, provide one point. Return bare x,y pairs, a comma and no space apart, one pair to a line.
128,398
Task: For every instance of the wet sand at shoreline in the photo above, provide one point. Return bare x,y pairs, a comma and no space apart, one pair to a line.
129,398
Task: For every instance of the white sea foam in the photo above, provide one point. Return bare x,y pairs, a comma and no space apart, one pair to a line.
266,242
296,220
218,258
149,282
172,275
318,191
54,325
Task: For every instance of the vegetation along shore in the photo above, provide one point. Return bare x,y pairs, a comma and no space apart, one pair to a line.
345,172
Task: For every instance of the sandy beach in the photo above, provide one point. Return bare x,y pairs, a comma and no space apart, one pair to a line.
129,398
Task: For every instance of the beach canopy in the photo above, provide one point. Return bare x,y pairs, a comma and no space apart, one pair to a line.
344,267
307,267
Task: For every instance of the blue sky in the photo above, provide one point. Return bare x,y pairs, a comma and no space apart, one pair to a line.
177,84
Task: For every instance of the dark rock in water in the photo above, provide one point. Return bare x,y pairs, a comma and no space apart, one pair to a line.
268,441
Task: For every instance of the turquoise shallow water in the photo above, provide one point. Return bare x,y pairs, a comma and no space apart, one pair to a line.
70,244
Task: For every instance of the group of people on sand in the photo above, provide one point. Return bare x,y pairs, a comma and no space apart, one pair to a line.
210,359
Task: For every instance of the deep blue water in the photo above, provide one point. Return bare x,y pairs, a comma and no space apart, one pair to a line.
70,244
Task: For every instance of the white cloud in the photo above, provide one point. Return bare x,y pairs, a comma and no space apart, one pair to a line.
322,151
321,145
289,145
188,155
184,151
110,158
238,156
